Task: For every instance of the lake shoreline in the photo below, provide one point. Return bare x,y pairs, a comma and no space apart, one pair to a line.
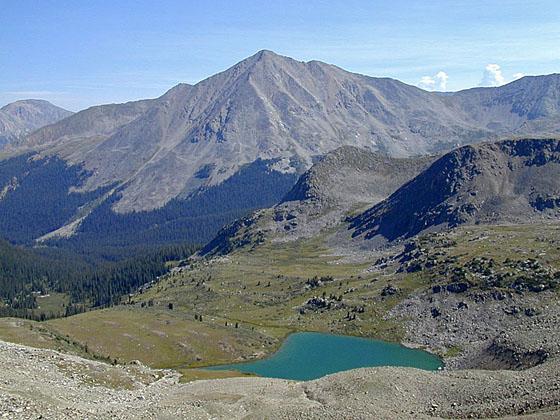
364,352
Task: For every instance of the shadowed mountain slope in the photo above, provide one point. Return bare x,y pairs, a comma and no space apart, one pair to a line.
509,181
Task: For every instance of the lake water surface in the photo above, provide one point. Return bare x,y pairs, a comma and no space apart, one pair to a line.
305,356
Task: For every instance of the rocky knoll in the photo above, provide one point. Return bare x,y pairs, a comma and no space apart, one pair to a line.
509,181
345,179
350,175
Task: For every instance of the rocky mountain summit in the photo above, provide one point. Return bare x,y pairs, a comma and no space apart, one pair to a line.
20,118
273,107
265,107
513,181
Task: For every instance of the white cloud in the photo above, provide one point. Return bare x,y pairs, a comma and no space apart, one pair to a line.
492,76
439,81
427,83
442,77
518,76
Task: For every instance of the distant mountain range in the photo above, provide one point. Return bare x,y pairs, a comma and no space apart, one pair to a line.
22,117
180,166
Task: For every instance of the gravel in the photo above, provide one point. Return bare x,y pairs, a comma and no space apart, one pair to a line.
38,383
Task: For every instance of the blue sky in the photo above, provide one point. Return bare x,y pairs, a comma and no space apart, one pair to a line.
81,53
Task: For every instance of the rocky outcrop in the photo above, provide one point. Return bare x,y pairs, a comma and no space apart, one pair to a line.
500,355
233,236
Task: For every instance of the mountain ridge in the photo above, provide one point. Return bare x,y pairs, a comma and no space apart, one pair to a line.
266,106
513,181
156,154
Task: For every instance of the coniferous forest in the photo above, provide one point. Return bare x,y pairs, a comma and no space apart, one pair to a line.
110,254
88,282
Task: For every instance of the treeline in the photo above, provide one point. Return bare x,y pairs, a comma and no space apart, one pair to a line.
106,285
27,273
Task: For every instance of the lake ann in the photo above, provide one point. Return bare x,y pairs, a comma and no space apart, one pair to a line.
305,356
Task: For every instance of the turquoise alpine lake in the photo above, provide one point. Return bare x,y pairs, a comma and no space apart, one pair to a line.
305,356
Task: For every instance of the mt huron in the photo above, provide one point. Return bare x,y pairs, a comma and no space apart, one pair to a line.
268,115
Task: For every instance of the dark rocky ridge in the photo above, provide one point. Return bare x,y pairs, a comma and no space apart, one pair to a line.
509,181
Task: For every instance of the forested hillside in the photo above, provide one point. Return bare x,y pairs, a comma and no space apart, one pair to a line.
26,274
194,219
36,196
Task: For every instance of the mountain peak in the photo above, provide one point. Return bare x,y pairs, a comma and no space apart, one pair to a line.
265,52
273,107
266,56
31,102
352,174
24,116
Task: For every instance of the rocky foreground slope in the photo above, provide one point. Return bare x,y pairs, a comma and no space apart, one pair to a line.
484,297
46,384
